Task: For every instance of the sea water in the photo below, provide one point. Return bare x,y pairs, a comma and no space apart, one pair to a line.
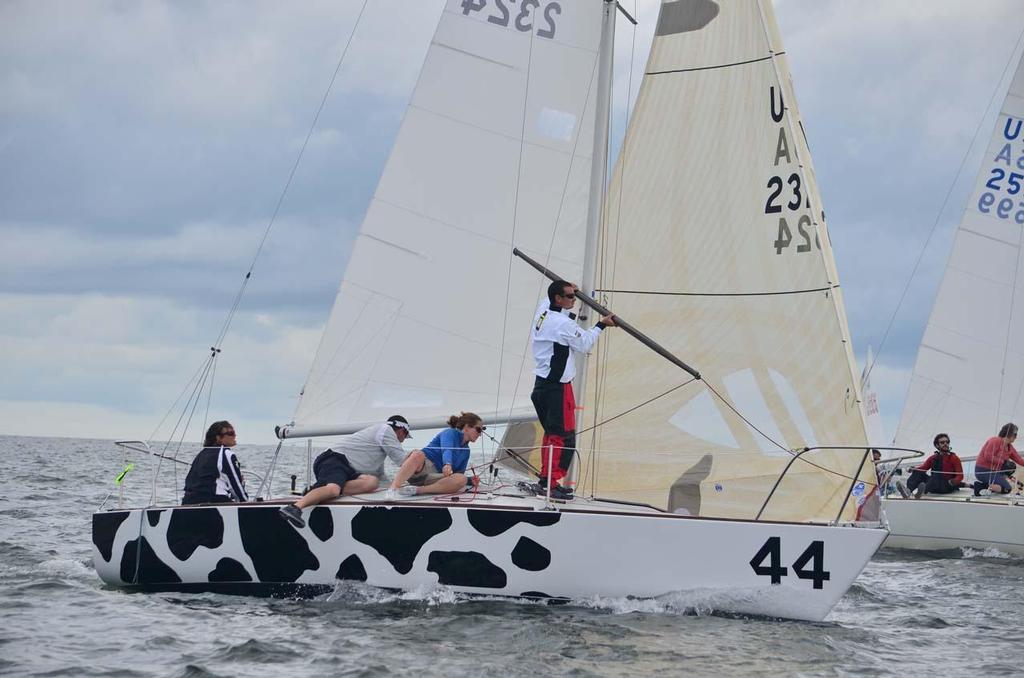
953,613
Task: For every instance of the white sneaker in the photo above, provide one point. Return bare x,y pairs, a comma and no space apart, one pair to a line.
407,491
391,494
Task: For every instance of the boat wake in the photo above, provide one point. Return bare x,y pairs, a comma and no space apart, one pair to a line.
688,603
990,552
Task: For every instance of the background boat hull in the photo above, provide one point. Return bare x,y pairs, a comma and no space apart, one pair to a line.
937,524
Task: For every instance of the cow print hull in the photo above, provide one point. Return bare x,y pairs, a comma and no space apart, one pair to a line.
493,550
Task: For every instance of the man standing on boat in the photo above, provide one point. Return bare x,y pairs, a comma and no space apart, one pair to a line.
215,476
556,338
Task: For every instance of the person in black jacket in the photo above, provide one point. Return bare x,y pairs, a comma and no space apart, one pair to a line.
215,476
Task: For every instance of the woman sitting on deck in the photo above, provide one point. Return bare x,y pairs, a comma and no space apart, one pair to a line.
439,468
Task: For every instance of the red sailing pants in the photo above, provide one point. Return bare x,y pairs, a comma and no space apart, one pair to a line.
556,409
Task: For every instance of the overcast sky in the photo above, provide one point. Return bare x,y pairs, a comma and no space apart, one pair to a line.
144,146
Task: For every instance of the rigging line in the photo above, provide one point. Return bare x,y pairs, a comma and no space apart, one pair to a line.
515,222
314,379
772,440
945,201
619,415
1009,325
196,391
291,176
184,429
209,394
745,420
374,341
551,242
174,405
637,407
723,294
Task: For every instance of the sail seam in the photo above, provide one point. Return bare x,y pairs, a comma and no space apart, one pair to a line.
939,350
990,237
476,56
509,137
712,68
721,294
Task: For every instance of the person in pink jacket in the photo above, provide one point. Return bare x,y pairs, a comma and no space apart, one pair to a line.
988,468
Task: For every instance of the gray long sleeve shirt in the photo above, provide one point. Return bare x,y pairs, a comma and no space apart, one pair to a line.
367,449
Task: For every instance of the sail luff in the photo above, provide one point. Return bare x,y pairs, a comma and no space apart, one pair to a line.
806,169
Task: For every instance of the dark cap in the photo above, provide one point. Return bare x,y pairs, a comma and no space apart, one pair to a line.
398,421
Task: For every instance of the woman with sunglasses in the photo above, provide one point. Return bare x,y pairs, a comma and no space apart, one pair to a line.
440,467
215,476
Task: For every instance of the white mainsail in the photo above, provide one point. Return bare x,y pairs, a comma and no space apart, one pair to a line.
432,316
968,378
715,245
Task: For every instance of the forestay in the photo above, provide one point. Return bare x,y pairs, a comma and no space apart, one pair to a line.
969,375
494,151
715,245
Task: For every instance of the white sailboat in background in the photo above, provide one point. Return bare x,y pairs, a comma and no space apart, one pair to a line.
711,238
968,379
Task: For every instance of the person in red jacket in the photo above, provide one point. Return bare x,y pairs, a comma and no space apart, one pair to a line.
946,471
989,467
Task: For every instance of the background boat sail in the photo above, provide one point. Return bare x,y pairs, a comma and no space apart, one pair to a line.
968,378
495,151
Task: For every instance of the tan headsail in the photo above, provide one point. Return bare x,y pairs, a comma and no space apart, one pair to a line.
715,245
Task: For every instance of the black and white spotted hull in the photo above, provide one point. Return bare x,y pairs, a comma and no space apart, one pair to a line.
512,548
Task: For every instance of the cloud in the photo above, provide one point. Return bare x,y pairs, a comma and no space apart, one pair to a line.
144,147
135,356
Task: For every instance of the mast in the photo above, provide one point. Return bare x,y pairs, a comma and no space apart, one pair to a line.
598,180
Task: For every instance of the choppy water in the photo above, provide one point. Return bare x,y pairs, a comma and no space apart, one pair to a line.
948,614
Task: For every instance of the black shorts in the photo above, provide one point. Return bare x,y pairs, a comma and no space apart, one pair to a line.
332,467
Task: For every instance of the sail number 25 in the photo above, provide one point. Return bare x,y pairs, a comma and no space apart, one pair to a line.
771,551
522,17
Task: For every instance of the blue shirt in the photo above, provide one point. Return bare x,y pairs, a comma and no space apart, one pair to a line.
447,448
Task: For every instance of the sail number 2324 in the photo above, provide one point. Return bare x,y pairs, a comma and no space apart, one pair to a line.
767,562
523,15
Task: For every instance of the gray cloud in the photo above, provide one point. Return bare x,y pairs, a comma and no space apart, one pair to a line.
143,147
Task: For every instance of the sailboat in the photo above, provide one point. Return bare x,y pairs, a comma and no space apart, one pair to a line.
968,378
730,490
